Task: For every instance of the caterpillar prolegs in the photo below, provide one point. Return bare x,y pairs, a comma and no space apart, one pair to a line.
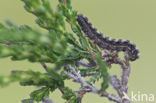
104,42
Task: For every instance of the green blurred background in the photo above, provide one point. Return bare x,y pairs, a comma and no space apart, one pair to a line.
134,20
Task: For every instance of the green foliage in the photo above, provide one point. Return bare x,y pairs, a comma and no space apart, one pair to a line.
29,78
40,94
56,46
95,77
104,72
66,8
86,71
46,17
68,94
4,81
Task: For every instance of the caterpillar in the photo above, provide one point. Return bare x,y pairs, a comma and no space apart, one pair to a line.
105,42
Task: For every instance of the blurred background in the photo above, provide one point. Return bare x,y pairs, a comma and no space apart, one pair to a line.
133,20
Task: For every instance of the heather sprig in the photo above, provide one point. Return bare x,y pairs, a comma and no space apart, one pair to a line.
74,56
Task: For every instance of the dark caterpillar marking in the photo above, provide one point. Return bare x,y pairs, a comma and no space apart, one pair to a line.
104,42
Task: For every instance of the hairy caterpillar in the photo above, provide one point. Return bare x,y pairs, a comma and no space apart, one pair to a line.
104,42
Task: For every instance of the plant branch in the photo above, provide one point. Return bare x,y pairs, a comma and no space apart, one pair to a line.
44,66
116,83
76,76
46,69
82,63
121,86
47,100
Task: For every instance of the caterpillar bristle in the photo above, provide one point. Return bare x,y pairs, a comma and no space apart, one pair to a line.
136,51
131,46
126,42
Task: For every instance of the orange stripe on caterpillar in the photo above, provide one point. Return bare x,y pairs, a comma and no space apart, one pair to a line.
104,42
